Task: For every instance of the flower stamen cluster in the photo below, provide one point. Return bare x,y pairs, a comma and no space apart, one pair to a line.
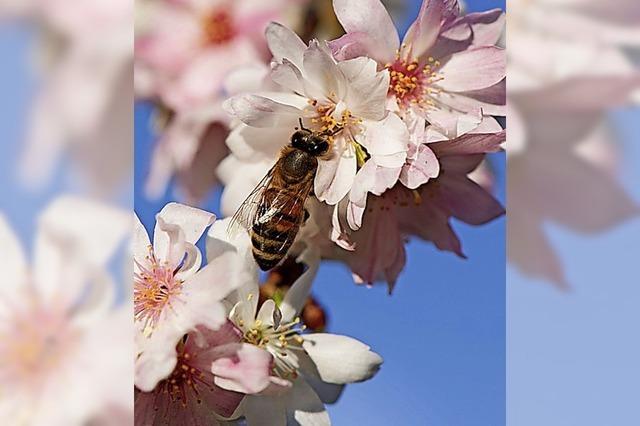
412,82
155,284
278,340
183,379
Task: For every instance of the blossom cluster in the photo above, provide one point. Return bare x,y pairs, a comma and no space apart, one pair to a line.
410,121
206,351
407,124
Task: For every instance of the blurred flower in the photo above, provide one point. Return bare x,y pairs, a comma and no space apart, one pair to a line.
184,50
59,315
308,369
84,102
557,103
430,70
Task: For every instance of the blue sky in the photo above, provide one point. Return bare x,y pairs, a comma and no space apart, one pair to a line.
573,357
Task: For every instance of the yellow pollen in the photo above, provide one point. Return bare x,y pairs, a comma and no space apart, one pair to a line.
410,82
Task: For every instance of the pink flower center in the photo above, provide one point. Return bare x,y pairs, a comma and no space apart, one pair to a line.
412,82
33,345
218,28
185,381
155,285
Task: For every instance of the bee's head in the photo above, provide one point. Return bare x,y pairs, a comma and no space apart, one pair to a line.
309,142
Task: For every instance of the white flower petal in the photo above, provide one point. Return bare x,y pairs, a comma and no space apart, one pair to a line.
265,314
340,181
259,111
419,170
387,141
245,271
341,359
322,71
367,88
287,76
304,407
284,43
140,244
191,220
156,357
264,410
169,244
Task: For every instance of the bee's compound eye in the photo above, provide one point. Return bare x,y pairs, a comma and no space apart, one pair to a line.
321,147
298,139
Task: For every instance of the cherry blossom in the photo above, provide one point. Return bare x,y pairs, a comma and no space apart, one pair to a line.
189,395
376,251
308,369
344,99
65,343
430,69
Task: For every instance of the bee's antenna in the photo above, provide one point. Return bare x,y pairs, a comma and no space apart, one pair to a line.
302,125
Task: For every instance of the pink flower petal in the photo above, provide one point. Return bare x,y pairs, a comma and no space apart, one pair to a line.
423,33
488,65
464,199
419,170
453,123
241,367
470,143
371,18
380,252
491,100
431,224
532,252
198,179
487,26
352,45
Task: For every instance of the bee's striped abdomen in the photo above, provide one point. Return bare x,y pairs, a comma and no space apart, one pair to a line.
276,227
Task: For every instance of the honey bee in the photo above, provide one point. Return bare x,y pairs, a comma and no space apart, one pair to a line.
274,211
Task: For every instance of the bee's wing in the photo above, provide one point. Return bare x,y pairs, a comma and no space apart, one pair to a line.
291,207
245,216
